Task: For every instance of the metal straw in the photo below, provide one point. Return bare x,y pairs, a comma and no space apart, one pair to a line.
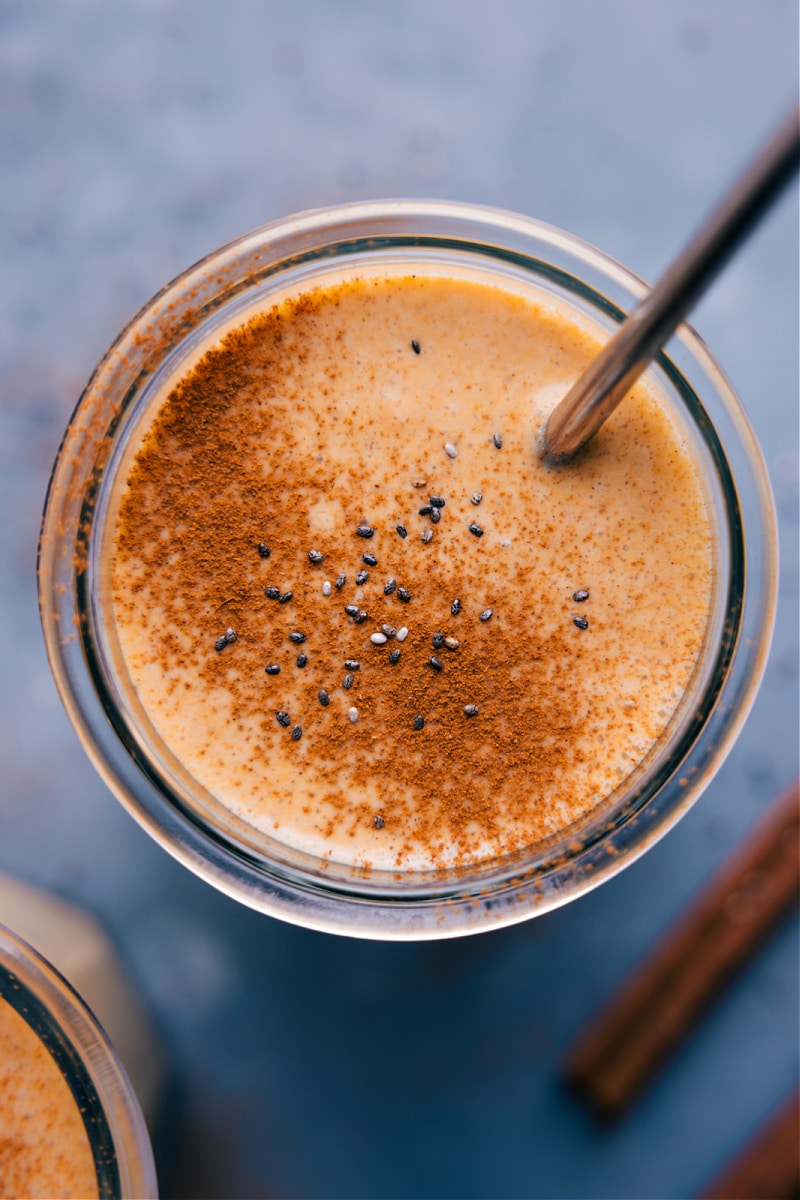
600,388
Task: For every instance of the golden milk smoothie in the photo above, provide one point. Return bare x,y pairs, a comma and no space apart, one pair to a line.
361,612
44,1147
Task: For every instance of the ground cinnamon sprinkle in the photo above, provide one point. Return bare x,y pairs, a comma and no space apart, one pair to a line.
281,442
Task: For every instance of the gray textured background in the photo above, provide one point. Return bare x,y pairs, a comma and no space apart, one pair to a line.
135,137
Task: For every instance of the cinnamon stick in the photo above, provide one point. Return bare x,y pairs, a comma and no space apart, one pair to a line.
769,1166
721,928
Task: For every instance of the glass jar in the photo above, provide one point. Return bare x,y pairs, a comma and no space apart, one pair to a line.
96,1084
258,870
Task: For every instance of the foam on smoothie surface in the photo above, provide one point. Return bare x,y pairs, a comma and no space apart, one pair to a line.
44,1147
352,406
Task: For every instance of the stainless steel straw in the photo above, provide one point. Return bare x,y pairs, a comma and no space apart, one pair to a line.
600,388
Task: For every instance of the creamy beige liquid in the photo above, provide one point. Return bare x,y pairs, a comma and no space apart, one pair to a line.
319,416
44,1148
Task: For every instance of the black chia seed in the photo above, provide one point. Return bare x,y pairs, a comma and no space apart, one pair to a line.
272,593
389,587
389,630
497,438
273,669
435,662
470,710
426,536
297,733
437,501
263,549
365,531
394,657
476,498
369,559
415,346
348,681
362,577
581,595
221,643
297,637
230,636
581,622
352,664
341,580
404,594
436,516
285,598
302,659
455,607
352,610
378,821
360,616
426,510
315,556
438,641
475,529
283,718
323,697
401,529
486,615
419,722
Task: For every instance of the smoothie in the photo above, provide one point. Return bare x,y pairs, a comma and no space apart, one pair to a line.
44,1147
354,606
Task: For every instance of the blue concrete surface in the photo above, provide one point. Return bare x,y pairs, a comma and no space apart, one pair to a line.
135,137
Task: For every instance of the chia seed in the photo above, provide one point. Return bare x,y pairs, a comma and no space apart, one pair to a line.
438,641
297,637
415,346
426,510
341,580
348,681
302,659
352,664
426,536
378,821
263,549
476,498
323,697
451,643
470,710
455,607
360,617
326,588
352,610
581,622
389,630
497,438
435,662
297,733
315,556
437,501
389,587
285,598
362,577
486,615
402,633
378,639
273,669
401,529
394,657
475,529
419,722
450,450
230,636
365,531
272,593
369,559
404,594
436,516
353,714
283,718
221,643
581,595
